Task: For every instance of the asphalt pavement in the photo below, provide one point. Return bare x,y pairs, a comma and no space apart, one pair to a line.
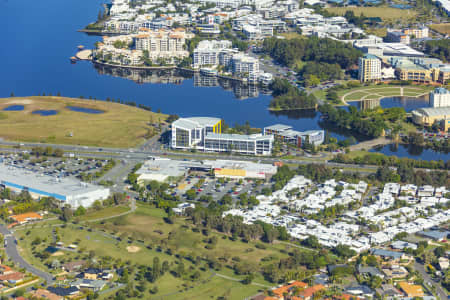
428,280
14,255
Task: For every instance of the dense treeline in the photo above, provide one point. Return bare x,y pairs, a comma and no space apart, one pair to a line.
406,174
439,49
288,97
379,159
311,49
323,71
359,122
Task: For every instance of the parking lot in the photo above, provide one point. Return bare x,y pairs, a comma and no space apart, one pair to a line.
209,188
80,168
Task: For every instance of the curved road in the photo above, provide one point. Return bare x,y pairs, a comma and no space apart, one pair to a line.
14,255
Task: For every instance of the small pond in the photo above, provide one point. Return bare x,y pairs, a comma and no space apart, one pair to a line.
411,151
85,110
14,108
45,113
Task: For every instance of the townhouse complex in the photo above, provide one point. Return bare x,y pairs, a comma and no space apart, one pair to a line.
294,205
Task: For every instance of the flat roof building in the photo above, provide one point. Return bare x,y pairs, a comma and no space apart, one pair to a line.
204,133
68,191
286,134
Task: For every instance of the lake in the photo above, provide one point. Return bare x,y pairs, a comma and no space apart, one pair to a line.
408,103
410,151
42,36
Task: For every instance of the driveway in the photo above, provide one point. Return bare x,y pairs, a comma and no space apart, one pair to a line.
13,254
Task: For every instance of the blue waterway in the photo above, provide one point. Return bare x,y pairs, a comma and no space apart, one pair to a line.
14,108
412,152
41,36
45,113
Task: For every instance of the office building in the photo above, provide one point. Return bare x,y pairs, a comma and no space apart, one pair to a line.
440,97
428,116
66,190
369,68
254,144
188,133
286,134
397,36
204,133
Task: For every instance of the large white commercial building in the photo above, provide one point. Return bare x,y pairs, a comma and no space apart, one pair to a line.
440,97
369,68
204,133
68,191
253,144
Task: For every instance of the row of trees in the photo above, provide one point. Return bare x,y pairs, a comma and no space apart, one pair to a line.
379,159
407,174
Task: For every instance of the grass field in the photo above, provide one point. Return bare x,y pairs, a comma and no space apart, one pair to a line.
380,91
443,28
384,12
118,126
145,228
147,224
292,35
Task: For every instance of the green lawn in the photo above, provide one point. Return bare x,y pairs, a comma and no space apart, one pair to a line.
386,13
378,91
118,126
105,212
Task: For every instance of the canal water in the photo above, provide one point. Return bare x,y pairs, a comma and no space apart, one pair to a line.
411,151
41,36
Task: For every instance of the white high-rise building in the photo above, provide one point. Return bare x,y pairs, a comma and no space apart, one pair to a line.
369,68
440,97
244,64
207,52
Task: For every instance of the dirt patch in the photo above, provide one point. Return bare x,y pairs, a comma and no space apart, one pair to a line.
133,249
58,253
20,101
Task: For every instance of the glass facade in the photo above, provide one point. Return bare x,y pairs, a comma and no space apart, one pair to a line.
182,137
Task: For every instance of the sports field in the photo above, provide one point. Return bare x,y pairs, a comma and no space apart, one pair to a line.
378,92
384,12
116,125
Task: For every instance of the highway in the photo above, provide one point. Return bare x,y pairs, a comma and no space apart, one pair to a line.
153,150
14,255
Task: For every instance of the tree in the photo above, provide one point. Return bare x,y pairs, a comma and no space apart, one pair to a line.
80,211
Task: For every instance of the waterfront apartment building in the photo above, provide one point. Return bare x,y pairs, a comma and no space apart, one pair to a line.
204,133
207,52
241,64
369,68
286,134
165,44
440,97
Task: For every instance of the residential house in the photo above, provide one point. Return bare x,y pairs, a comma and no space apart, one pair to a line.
411,290
45,294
